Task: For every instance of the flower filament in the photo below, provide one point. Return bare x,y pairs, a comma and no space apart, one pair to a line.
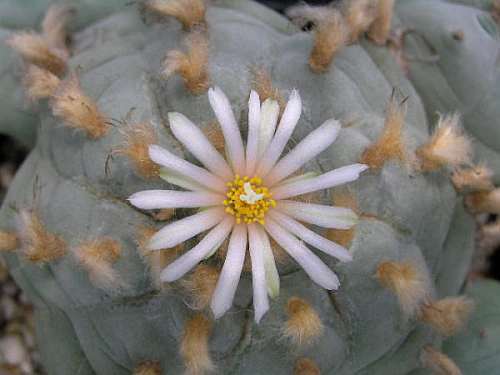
248,200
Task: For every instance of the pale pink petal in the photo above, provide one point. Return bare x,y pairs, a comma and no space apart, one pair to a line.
234,144
316,142
312,265
181,230
272,275
174,163
286,126
259,283
154,199
187,261
222,298
327,180
318,214
310,237
269,114
181,180
195,141
253,132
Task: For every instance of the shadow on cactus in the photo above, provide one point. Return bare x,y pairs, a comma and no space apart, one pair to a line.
166,150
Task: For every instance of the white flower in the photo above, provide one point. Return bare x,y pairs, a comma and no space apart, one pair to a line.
248,198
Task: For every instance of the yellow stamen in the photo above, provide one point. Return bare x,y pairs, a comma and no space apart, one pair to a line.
247,200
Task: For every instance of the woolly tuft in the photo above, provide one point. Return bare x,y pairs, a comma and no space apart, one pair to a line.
97,257
477,178
148,368
39,83
136,141
359,15
191,65
381,27
37,244
303,325
489,236
8,241
343,198
448,315
200,286
302,15
156,260
305,366
35,49
54,27
194,346
263,85
484,202
190,13
214,134
448,146
77,110
410,284
330,35
437,362
390,145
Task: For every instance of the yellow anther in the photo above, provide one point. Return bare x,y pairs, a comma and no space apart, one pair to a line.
247,200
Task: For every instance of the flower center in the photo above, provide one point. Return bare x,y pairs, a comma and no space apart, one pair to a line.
248,200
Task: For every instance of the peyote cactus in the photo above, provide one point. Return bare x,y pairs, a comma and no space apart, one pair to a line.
83,252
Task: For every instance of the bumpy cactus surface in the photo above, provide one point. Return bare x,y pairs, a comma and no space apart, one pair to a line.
76,245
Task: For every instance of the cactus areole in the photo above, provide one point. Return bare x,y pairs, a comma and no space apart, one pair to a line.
212,189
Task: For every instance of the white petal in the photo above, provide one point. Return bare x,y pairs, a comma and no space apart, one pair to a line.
195,141
179,180
314,267
253,132
224,292
318,214
234,144
316,142
172,162
286,126
182,230
259,283
301,177
327,180
272,275
187,261
310,237
268,121
153,199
